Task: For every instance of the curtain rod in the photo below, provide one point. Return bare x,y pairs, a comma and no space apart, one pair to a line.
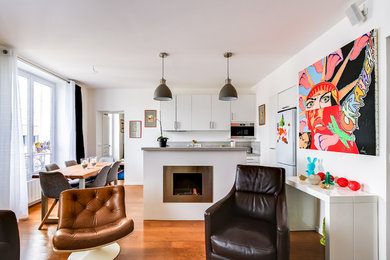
42,68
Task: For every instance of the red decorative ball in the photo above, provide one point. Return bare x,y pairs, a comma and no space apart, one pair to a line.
322,175
354,185
342,182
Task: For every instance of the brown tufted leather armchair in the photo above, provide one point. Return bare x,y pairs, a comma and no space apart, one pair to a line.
92,218
251,221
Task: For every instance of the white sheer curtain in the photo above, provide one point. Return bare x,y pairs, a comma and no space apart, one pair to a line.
65,123
13,183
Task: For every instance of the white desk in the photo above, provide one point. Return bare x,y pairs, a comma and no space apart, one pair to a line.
350,219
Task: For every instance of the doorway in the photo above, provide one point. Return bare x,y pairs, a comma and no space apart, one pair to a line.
110,135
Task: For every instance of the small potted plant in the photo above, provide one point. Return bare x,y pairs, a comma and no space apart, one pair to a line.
162,141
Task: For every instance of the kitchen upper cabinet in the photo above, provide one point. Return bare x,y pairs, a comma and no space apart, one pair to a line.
220,114
244,108
288,98
201,112
168,114
183,112
195,113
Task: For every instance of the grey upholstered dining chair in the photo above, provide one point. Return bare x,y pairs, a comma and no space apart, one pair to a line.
70,163
101,178
53,166
52,184
113,173
106,159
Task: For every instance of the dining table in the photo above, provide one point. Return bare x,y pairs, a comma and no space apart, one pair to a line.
71,172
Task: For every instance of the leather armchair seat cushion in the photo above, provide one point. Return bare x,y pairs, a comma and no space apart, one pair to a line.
245,238
81,238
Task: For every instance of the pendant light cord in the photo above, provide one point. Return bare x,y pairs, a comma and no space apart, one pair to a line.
227,67
162,70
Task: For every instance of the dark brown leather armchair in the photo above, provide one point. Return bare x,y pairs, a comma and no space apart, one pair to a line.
92,218
251,221
9,236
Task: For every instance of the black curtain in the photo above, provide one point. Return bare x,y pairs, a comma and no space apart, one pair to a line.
79,124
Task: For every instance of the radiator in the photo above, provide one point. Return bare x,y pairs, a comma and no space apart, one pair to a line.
34,191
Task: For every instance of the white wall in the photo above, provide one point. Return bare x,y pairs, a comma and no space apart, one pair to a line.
133,103
369,170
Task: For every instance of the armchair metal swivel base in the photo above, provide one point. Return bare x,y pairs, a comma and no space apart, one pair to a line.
91,221
101,253
251,221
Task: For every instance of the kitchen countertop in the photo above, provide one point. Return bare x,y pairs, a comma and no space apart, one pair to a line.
198,149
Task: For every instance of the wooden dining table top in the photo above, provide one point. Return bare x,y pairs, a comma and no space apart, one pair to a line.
78,172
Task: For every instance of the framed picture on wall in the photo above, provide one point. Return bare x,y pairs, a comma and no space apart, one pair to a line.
262,114
122,125
135,129
150,118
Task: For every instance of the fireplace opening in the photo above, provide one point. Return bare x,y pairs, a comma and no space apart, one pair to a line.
187,184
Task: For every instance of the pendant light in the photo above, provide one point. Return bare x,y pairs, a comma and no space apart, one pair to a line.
228,92
162,92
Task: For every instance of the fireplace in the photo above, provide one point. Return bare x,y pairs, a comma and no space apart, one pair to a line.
188,184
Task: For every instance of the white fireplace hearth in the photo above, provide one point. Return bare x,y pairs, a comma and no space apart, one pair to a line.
194,169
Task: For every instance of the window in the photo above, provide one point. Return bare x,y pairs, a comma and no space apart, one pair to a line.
36,98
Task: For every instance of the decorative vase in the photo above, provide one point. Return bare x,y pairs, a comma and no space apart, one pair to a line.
162,142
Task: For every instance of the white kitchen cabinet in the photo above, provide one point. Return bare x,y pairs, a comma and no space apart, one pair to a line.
288,98
209,113
168,114
183,113
220,114
244,108
201,112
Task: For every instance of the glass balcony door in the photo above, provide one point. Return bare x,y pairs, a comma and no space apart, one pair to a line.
36,98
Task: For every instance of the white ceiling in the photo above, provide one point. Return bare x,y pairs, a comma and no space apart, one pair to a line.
122,38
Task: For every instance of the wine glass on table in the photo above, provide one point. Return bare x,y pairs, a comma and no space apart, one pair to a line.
93,161
84,162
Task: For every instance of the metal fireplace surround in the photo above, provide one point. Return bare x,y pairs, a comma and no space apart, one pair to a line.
207,184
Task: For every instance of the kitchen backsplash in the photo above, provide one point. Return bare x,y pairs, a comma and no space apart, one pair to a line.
252,146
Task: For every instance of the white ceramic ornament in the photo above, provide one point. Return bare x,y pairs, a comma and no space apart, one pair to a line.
314,179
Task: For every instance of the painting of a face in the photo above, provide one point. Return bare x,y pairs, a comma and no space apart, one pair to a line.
304,140
319,101
321,104
337,100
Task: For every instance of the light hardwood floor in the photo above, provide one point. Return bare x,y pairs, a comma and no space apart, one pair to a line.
150,239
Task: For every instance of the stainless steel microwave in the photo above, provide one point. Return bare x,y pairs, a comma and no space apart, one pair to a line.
242,130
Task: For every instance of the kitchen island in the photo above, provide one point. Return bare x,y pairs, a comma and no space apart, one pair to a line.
181,183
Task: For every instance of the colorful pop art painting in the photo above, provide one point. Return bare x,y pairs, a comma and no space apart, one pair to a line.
337,100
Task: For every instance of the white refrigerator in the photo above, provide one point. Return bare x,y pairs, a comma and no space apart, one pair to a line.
286,143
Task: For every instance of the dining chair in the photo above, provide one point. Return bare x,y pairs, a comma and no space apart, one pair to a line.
101,178
54,166
106,159
51,167
113,173
52,184
70,163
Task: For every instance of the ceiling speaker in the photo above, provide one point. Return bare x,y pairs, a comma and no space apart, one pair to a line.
354,14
